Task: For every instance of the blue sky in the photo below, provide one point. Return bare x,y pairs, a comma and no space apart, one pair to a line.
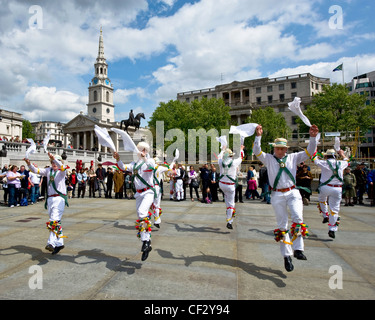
157,48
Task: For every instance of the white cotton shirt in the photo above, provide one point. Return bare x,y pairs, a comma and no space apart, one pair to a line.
145,171
292,161
59,177
224,170
327,172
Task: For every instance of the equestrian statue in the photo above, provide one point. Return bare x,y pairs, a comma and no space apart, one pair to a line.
134,121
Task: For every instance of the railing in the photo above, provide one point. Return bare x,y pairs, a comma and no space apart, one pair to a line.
17,151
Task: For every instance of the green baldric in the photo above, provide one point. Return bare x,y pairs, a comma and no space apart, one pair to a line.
335,174
283,168
136,175
52,176
226,175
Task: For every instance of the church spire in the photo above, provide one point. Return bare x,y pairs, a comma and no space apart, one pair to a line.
101,46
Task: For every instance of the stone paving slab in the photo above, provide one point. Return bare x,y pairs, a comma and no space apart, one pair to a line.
194,256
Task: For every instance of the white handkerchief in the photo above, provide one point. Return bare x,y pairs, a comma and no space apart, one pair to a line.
337,144
127,141
294,106
31,149
104,138
46,140
223,141
177,155
244,130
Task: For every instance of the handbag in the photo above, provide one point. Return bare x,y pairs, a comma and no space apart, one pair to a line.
194,183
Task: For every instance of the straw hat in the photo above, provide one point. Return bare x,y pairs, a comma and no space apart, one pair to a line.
229,152
280,143
330,152
143,145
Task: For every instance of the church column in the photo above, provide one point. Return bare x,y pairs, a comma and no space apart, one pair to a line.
84,140
91,140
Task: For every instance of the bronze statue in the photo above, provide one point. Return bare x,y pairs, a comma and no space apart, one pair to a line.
132,121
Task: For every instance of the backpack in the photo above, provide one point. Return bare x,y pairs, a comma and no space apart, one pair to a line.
24,202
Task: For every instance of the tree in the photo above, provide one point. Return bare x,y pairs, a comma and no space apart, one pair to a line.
334,109
199,114
274,126
27,130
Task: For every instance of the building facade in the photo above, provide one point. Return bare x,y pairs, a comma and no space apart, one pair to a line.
365,84
244,96
10,125
41,128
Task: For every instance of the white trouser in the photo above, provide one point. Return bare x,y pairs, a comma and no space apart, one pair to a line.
55,206
334,195
156,203
171,188
281,201
229,193
179,189
143,203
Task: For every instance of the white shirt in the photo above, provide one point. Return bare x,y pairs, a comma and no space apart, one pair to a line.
145,171
327,172
59,177
291,163
225,170
34,178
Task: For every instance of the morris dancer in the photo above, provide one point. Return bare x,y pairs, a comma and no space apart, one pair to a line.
56,200
142,173
159,170
282,176
330,187
228,180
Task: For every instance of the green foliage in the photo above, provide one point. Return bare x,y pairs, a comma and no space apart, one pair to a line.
199,114
334,109
27,130
274,126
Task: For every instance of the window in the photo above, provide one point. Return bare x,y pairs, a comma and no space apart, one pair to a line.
317,86
187,99
294,120
282,97
293,85
107,96
269,88
294,94
281,87
270,99
259,100
258,90
95,95
214,95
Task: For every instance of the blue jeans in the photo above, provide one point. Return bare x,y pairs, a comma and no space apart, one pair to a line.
13,195
265,192
34,196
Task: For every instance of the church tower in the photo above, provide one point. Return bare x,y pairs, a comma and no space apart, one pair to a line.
100,104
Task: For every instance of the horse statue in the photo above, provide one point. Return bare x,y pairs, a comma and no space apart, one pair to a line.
136,123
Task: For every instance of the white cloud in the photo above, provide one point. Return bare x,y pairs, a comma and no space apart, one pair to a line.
122,95
43,103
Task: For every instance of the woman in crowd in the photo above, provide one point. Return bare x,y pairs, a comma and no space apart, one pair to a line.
14,184
193,183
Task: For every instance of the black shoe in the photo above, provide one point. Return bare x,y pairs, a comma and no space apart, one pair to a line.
49,247
157,225
288,264
57,249
229,226
146,248
325,220
331,234
299,255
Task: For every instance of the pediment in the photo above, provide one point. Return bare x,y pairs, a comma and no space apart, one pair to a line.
80,121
